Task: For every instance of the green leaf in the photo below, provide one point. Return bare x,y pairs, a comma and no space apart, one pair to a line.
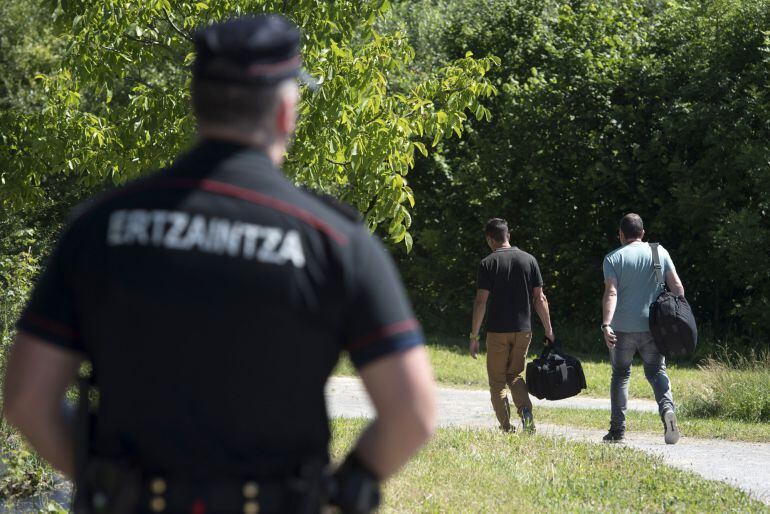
437,137
408,242
400,233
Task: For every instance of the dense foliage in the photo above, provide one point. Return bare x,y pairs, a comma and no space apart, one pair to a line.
95,93
118,105
604,108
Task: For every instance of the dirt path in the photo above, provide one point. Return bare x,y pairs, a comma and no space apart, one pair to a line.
743,465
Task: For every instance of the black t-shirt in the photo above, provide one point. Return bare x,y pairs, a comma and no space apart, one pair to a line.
214,299
509,275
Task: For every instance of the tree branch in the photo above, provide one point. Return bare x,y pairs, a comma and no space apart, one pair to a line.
152,42
174,26
343,164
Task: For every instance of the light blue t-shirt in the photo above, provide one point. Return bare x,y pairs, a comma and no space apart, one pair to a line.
631,267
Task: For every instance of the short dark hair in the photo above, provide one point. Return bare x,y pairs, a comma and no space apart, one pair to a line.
240,106
497,229
632,226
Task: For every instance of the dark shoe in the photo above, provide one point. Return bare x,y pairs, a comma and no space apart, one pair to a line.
528,421
670,427
614,436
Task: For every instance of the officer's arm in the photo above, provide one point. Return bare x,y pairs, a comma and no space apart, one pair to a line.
36,381
401,388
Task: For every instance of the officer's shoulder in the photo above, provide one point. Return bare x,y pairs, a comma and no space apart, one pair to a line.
337,215
335,205
96,204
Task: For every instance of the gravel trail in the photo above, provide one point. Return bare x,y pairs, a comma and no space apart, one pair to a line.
743,465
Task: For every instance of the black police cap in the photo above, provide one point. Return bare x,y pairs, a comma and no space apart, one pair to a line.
260,49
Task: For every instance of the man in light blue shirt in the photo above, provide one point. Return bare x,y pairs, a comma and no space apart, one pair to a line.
629,289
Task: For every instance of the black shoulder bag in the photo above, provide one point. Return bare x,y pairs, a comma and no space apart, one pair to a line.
672,323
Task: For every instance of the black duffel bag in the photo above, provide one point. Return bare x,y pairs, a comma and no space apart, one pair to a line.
672,323
554,375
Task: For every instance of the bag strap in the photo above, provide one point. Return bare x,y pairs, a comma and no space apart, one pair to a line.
563,369
656,265
547,348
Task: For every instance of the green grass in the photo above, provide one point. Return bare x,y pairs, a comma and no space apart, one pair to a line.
454,367
734,387
464,470
650,422
725,399
24,472
448,367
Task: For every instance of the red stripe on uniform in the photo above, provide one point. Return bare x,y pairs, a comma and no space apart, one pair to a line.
268,201
264,69
56,328
222,188
383,332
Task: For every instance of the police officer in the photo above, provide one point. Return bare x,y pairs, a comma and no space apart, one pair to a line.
213,300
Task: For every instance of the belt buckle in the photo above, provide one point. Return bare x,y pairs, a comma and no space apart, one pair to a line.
250,493
158,488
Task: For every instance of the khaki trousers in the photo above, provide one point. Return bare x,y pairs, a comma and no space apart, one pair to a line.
506,360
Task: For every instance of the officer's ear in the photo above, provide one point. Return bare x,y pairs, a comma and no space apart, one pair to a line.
286,114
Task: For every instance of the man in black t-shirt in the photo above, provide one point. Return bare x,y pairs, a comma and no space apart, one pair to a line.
509,280
213,299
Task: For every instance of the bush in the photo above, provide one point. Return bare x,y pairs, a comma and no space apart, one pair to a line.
733,387
24,473
24,239
659,108
16,272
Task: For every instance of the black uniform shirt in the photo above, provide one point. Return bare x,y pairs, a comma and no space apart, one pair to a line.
509,274
214,299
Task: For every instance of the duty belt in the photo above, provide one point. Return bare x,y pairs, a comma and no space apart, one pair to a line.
115,489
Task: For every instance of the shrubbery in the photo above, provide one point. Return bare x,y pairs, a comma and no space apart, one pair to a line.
733,387
24,473
605,107
17,269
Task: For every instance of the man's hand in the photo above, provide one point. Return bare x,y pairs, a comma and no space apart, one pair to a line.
609,337
551,337
473,346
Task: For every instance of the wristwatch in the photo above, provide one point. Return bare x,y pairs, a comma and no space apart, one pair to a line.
473,336
605,325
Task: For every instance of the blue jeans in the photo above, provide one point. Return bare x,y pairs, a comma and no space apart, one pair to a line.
654,369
